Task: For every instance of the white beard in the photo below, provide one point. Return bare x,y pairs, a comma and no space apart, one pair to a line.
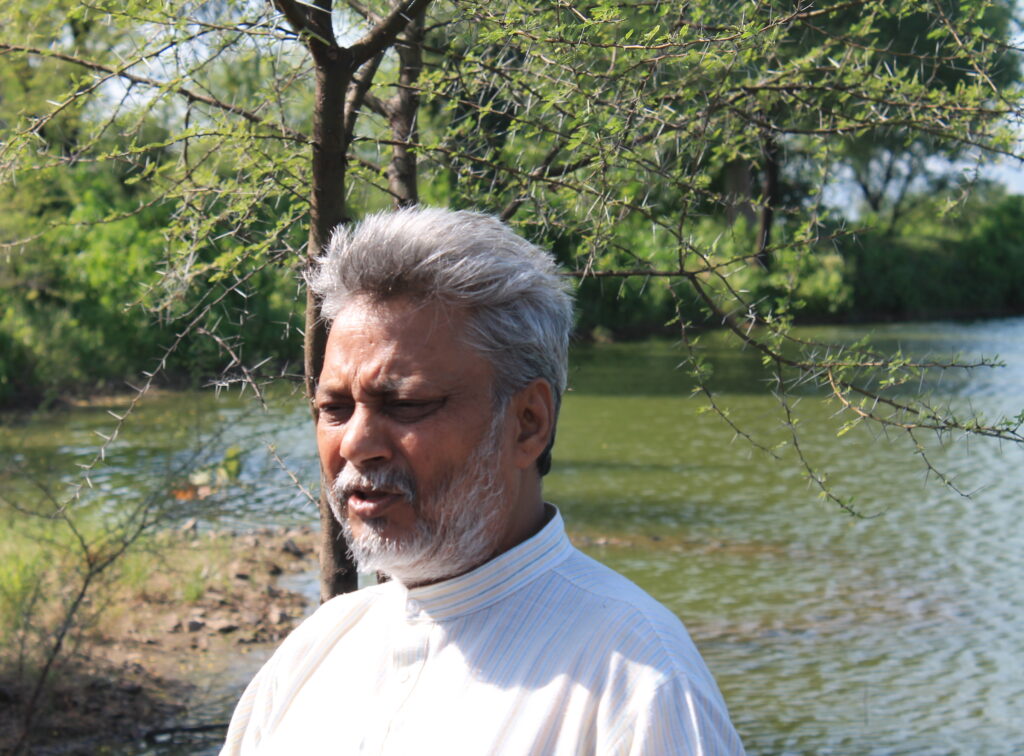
456,526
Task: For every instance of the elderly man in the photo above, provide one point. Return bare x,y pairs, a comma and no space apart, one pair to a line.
441,384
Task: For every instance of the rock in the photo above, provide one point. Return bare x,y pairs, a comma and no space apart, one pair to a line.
290,547
223,626
276,615
239,570
274,569
172,623
195,625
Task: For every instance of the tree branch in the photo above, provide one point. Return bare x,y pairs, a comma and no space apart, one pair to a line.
188,94
541,170
403,111
358,93
312,22
385,33
365,11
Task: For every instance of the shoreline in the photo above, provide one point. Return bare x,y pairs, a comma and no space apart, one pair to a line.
165,672
159,666
117,393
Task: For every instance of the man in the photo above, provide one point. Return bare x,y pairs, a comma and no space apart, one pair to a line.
441,384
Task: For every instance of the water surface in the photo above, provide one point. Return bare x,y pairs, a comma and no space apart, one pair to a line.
898,633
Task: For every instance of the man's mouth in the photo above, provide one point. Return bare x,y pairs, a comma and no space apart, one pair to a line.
371,503
369,495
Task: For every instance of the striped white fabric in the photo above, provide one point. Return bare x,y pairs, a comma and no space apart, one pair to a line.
540,651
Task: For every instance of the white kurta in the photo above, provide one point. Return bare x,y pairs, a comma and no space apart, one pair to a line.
540,651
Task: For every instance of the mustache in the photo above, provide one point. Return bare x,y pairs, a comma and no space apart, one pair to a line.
392,480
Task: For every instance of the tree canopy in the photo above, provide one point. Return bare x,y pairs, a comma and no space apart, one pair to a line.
676,156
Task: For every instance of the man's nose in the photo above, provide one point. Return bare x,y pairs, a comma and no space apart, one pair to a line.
365,439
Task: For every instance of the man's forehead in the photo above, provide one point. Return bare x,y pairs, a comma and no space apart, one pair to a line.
397,344
378,385
426,314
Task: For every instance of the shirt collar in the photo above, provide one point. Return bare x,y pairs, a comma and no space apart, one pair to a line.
493,580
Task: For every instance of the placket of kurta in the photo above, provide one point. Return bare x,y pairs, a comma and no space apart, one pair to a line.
409,650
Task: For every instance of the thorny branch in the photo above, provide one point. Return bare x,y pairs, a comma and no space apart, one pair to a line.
123,73
540,81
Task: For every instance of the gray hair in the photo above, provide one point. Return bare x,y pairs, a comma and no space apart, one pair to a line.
520,308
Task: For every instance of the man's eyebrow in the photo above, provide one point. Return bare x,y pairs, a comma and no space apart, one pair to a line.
410,389
383,387
323,392
388,386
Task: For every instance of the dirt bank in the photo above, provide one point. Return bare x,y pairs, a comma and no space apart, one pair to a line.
210,599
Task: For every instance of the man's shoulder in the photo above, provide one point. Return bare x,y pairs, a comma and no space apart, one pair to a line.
614,627
598,583
608,604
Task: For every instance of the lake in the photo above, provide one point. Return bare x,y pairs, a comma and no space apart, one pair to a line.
895,633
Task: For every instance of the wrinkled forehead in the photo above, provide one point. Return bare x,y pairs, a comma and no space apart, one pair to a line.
427,314
409,324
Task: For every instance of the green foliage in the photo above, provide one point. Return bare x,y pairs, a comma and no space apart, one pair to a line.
76,296
959,261
69,290
40,566
96,284
156,200
22,592
158,187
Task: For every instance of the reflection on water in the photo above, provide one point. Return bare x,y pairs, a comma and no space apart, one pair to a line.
828,634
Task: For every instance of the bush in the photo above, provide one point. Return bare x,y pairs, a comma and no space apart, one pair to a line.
966,264
77,313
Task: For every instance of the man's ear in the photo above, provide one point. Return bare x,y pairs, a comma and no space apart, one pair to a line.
533,418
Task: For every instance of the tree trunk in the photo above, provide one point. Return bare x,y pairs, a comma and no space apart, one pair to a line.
738,189
769,200
403,109
327,211
337,99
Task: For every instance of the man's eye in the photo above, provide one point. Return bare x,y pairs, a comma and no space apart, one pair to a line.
411,410
335,412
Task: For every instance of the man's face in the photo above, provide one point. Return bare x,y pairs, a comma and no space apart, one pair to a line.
407,436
